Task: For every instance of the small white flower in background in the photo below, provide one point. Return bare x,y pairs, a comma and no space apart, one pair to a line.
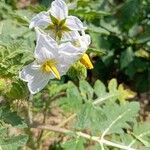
56,19
51,61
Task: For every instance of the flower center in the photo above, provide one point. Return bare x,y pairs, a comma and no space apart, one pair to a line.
58,26
49,66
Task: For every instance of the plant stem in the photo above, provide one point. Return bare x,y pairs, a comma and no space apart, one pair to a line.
30,115
67,120
81,134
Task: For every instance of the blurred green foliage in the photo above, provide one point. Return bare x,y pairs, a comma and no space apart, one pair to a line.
122,30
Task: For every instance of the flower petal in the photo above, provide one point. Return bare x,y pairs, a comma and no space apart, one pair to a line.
59,9
36,79
85,41
46,47
41,19
38,82
69,49
68,55
80,42
70,36
28,72
73,23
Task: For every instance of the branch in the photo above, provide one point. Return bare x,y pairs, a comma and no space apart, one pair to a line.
67,120
81,134
30,116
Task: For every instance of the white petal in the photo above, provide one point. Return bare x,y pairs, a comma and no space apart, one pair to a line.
85,41
68,48
70,36
59,9
69,54
39,81
41,19
28,72
74,23
36,79
86,37
46,47
80,43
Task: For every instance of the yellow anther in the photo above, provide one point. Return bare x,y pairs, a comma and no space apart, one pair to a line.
47,68
55,72
50,66
85,60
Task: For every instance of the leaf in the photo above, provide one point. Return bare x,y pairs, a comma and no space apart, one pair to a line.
98,30
126,57
119,118
73,101
125,138
137,65
141,133
89,117
129,13
45,2
125,93
144,36
76,144
142,53
86,90
143,85
9,117
23,20
16,90
95,147
13,143
111,26
99,88
112,85
99,52
1,27
55,89
37,8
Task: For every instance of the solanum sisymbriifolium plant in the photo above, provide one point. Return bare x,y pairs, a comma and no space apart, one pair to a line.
58,48
45,101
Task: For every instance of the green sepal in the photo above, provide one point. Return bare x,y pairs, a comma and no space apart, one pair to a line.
50,27
62,22
65,28
55,21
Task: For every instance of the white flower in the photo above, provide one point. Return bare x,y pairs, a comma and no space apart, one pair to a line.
51,61
81,43
56,19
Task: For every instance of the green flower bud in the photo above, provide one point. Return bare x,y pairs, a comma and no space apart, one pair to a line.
78,70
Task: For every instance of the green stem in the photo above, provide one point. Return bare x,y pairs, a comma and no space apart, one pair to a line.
84,135
30,115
